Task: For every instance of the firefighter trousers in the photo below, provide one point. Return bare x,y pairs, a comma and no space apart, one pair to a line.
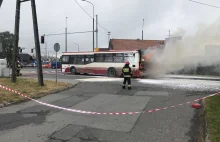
127,79
18,72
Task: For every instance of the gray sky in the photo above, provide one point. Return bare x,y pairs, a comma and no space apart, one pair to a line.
123,18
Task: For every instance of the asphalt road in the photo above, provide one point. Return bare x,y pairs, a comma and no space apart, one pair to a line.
37,123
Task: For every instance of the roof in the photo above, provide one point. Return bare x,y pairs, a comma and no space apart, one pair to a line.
99,52
130,44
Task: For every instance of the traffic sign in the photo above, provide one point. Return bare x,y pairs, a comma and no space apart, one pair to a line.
57,47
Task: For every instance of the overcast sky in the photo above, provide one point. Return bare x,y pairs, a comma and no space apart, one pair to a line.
123,18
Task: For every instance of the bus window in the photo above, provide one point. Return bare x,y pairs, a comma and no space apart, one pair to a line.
72,59
80,59
65,59
129,54
118,57
89,59
99,58
129,58
108,58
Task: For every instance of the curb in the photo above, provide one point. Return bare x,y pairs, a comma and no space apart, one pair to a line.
42,95
210,79
207,135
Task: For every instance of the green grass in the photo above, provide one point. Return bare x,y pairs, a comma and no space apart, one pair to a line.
213,117
28,87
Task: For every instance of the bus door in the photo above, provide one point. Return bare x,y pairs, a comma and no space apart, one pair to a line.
88,60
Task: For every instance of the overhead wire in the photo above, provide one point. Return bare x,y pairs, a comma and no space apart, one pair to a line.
204,4
90,15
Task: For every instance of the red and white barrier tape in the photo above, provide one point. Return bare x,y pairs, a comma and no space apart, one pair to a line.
103,113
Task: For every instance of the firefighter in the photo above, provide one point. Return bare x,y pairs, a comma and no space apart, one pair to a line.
127,73
18,68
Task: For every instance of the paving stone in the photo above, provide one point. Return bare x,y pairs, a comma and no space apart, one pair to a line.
111,103
67,132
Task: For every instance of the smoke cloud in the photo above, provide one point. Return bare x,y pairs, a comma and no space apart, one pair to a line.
182,51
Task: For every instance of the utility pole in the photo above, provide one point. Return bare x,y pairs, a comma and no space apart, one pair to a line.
97,31
143,30
66,37
46,49
109,33
16,39
37,44
93,31
45,41
169,32
1,3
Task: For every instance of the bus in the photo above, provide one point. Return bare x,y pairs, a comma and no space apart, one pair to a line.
108,63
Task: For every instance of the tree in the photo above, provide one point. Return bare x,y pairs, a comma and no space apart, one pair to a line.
7,40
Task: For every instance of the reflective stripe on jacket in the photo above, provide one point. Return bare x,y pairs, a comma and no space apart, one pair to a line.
19,66
126,71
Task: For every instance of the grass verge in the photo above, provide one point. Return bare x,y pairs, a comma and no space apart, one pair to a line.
212,108
28,87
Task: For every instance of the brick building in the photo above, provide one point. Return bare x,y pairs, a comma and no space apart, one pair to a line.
131,44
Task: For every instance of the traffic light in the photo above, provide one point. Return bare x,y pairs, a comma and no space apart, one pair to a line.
42,39
20,50
32,50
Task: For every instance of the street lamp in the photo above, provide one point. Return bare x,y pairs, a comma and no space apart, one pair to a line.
77,45
93,24
66,36
143,30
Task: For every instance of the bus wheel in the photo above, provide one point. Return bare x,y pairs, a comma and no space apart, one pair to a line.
111,72
73,71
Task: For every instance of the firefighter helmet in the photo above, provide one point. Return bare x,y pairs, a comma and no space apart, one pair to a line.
127,63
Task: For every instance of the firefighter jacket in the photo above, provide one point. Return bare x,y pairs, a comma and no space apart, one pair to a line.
18,65
126,71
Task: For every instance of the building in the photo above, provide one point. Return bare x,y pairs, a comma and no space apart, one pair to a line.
132,44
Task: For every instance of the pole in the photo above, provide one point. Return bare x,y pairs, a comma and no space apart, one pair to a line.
45,46
77,45
109,33
16,40
66,37
37,44
109,39
56,67
169,32
93,22
1,2
97,31
143,30
46,49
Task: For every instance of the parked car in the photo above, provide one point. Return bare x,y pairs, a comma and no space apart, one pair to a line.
53,64
46,65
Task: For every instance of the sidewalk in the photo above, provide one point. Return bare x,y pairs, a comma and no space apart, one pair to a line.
195,77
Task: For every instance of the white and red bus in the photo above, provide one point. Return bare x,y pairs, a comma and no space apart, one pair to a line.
108,63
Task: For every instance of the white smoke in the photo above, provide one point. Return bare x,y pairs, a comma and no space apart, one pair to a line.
189,51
